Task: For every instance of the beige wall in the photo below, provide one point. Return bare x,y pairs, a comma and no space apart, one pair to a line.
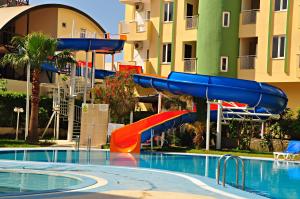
292,91
80,22
50,20
260,30
182,35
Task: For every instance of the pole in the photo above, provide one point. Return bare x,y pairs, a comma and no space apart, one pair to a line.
27,101
93,73
86,76
17,130
58,108
71,103
131,117
208,126
262,131
159,103
113,62
219,125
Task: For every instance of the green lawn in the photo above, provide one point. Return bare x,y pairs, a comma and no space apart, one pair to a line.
21,143
217,152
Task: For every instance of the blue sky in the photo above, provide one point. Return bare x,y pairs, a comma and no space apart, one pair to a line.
106,12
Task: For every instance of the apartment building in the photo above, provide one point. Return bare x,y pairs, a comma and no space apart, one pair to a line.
248,39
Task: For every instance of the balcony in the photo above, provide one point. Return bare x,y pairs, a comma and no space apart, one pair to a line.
249,16
190,65
12,3
248,21
247,62
191,22
135,31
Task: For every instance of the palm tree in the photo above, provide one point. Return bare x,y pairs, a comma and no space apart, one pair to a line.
33,49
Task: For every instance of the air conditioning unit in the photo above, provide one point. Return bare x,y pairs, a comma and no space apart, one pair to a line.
139,6
138,45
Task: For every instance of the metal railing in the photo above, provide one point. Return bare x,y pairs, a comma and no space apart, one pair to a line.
77,114
190,65
247,62
249,16
236,160
125,27
191,22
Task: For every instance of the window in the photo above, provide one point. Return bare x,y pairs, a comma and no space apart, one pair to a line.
278,47
148,15
64,25
224,64
148,55
168,13
281,5
82,33
167,53
226,19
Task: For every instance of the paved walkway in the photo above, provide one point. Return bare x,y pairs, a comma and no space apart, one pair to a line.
131,183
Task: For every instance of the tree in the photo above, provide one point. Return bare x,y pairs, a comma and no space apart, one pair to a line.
33,49
118,92
63,59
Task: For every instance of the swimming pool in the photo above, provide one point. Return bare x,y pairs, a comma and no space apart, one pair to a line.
24,182
267,178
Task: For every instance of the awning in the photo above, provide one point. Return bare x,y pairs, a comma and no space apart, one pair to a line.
106,46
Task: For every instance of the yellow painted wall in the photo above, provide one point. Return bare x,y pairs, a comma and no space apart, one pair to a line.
182,35
81,22
50,20
292,91
260,30
42,20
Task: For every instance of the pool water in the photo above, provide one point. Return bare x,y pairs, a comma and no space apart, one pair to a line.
16,182
268,178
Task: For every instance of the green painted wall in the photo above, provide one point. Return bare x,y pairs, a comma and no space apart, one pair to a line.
230,37
215,41
209,38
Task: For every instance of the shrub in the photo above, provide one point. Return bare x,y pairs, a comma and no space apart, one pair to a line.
9,100
118,92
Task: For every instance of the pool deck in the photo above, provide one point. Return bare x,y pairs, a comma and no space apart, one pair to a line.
128,182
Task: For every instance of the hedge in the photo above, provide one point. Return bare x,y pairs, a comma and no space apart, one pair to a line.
9,100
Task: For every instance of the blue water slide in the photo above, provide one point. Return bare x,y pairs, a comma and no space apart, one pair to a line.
85,44
263,97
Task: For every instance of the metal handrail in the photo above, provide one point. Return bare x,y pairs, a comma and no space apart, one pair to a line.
77,142
237,160
89,144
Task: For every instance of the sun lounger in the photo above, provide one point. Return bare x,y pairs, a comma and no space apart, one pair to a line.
291,151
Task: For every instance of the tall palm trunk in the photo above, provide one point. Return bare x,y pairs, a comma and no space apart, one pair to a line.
33,135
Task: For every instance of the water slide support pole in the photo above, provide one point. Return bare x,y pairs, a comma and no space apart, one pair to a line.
208,126
86,76
262,131
152,135
159,103
219,125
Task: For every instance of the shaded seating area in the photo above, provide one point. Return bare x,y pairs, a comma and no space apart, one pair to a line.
291,151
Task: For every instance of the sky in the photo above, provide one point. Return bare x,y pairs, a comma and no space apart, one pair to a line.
108,13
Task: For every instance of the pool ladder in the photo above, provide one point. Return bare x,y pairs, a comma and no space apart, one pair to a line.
237,160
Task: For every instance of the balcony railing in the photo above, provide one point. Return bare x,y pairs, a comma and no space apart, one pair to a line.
11,3
125,27
191,22
190,65
247,62
249,16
